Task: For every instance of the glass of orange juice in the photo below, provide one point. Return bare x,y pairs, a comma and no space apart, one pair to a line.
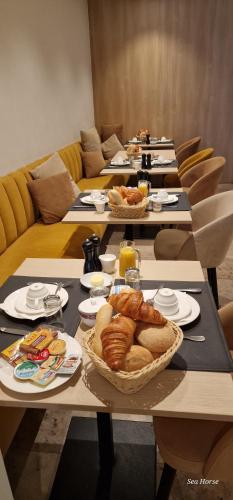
143,186
128,257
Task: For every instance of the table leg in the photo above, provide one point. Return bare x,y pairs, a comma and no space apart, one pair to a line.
105,434
5,488
129,232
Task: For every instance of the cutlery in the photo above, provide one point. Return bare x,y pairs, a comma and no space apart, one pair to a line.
190,290
194,338
151,301
13,331
63,285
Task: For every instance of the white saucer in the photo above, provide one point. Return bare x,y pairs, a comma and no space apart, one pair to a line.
165,140
172,198
125,163
87,200
134,142
15,304
26,387
163,162
189,308
85,280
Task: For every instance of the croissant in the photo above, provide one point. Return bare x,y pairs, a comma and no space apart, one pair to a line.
117,339
133,306
133,196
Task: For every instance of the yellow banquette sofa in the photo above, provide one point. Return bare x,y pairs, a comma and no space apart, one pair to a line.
23,235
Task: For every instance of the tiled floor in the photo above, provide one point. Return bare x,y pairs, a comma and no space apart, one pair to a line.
38,470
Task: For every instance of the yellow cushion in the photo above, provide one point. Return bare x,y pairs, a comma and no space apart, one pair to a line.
193,160
43,241
103,182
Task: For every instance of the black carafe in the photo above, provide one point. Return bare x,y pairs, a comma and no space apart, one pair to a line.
147,138
89,265
96,250
148,161
143,160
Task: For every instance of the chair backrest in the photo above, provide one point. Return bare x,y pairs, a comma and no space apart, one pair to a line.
202,155
203,179
187,149
213,228
220,459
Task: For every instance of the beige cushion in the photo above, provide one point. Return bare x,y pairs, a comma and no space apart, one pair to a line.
93,163
54,165
111,147
185,443
52,196
110,129
90,140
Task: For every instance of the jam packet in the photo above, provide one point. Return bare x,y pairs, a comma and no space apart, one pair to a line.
69,365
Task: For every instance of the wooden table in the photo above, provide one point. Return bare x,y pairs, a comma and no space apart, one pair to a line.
152,218
172,393
153,146
168,154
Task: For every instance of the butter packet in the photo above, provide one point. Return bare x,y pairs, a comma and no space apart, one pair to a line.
53,362
70,365
13,355
43,377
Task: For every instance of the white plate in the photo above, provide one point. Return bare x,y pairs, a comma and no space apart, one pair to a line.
124,164
87,200
163,162
189,308
172,198
25,387
165,140
86,279
18,299
134,142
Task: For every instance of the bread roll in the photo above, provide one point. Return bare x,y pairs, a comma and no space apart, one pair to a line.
157,339
136,358
103,318
115,197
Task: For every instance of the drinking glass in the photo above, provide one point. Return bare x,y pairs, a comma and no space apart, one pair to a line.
98,291
127,257
53,309
132,278
144,187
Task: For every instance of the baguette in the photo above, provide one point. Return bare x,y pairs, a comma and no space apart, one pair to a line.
103,318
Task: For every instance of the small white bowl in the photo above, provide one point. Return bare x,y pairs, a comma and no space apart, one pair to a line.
166,301
88,311
108,261
35,295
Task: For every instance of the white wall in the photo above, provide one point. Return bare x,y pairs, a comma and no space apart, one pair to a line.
46,93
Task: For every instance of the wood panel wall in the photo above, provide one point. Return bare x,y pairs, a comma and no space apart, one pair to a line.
166,65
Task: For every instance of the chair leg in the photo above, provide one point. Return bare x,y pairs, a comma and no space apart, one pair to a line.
166,482
212,277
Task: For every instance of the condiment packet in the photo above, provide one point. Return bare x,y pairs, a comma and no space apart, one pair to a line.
115,289
40,357
43,377
53,362
26,370
69,365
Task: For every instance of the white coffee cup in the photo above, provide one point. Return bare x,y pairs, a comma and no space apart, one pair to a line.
166,301
95,195
35,295
162,195
108,261
99,205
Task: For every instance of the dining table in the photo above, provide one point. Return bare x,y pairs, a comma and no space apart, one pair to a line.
135,164
184,393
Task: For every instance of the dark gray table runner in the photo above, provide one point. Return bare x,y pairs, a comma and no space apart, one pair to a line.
180,205
211,355
70,312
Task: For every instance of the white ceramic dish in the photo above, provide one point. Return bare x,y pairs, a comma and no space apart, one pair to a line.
87,200
25,387
15,304
108,261
88,310
134,142
161,162
189,308
86,279
118,164
164,139
172,198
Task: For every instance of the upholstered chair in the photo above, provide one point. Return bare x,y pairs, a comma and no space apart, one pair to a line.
109,129
173,180
202,180
201,447
209,240
187,149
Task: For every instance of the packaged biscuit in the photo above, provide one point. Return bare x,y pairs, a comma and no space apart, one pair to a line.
37,340
53,362
69,365
43,377
13,355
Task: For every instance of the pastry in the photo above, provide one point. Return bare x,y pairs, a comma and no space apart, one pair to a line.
103,318
115,197
131,195
136,358
157,339
57,346
133,306
117,338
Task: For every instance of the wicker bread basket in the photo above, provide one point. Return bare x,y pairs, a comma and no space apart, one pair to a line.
131,382
130,211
